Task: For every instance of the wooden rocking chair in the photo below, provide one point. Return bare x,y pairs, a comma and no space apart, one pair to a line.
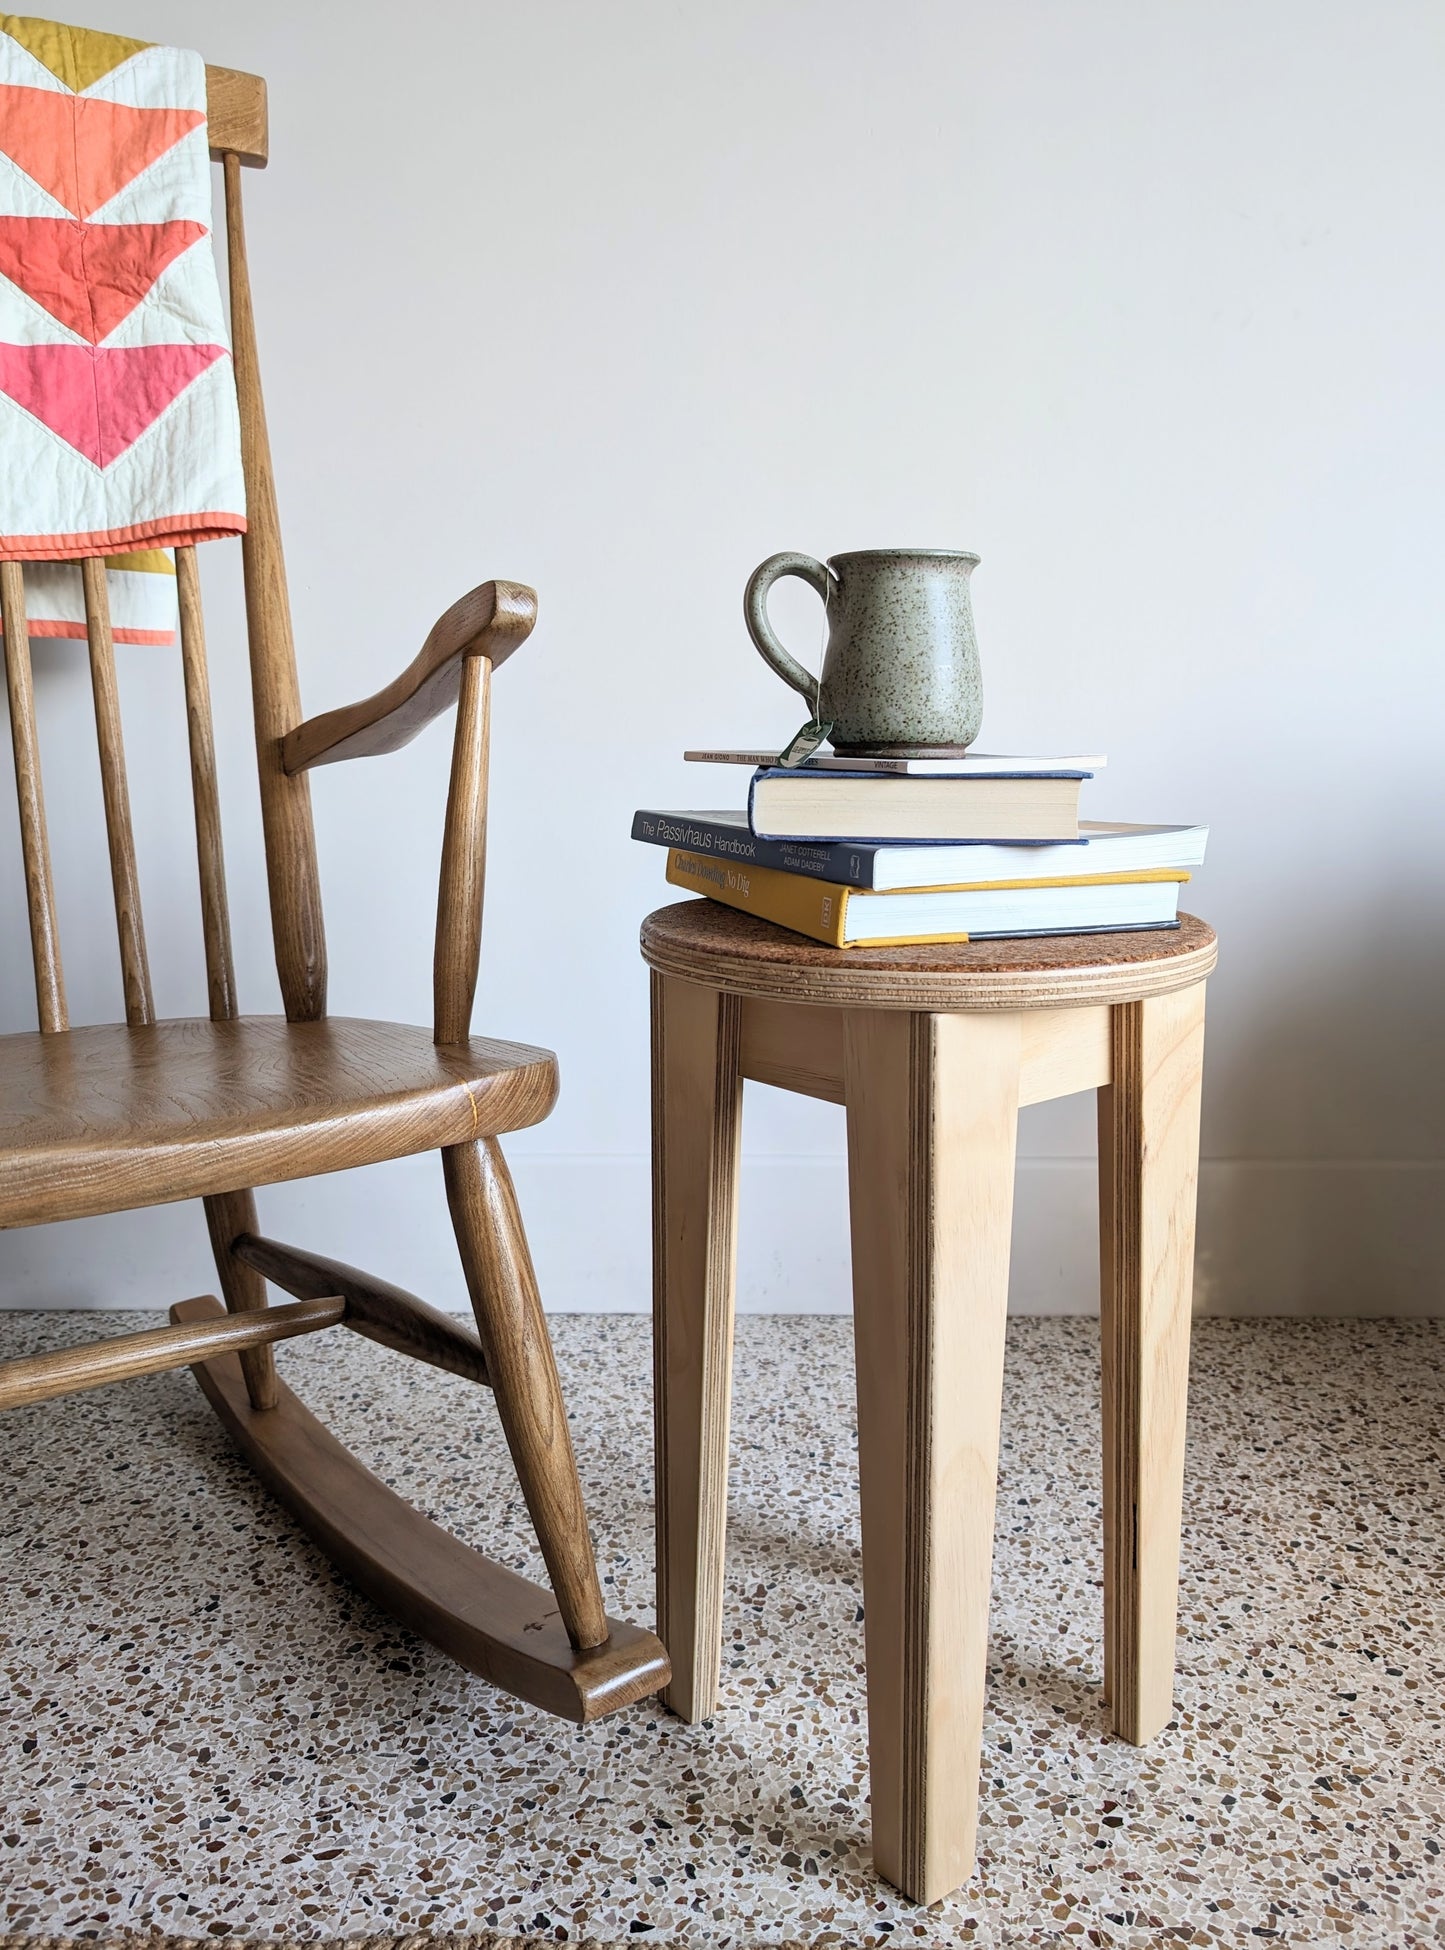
111,1117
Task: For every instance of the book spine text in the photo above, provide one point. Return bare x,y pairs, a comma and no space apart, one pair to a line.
815,908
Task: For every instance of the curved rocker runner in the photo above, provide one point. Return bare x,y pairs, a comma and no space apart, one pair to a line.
112,1117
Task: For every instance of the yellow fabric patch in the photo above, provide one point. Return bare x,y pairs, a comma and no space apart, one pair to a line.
78,56
144,561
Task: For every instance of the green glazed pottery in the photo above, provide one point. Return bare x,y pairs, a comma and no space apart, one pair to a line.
900,673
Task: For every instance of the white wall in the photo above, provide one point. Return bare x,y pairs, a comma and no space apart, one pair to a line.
1143,303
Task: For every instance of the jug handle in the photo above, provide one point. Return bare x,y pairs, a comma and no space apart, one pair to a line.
755,614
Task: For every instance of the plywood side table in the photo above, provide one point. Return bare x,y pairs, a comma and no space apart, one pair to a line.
932,1050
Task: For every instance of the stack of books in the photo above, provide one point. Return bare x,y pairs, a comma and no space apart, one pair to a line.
879,852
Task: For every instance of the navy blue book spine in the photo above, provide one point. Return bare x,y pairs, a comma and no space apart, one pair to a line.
720,839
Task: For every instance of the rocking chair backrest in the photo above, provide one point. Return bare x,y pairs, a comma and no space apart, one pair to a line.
236,105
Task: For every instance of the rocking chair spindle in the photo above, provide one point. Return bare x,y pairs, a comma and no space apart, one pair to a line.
215,913
34,835
111,1117
129,926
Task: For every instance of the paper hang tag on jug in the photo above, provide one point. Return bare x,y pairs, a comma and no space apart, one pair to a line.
804,743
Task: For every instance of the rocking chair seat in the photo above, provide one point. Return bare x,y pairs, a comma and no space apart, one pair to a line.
110,1117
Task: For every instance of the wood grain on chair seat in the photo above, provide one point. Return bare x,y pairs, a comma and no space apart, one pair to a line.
109,1117
702,941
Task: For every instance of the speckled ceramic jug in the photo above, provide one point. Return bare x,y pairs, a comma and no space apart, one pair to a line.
900,673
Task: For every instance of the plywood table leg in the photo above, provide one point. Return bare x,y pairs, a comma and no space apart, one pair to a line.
932,1125
1148,1173
696,1129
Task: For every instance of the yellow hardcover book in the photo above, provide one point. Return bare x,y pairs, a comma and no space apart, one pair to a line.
823,910
812,907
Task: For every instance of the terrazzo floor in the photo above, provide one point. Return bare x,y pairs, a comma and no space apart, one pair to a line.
202,1731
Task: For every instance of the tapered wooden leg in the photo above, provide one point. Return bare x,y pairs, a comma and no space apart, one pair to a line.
932,1124
523,1373
228,1215
696,1127
1148,1173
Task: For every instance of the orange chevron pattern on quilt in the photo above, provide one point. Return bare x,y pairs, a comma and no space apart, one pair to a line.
118,422
89,275
85,152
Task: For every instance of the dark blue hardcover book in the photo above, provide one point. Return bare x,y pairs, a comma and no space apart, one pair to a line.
1103,847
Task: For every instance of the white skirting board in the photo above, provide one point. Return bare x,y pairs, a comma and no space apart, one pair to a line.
1305,1238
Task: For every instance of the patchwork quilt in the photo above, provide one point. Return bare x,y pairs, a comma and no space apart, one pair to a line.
119,432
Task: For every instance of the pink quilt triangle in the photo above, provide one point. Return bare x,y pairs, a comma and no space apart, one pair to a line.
100,399
82,149
90,276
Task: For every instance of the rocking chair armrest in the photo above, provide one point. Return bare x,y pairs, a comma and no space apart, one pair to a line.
490,621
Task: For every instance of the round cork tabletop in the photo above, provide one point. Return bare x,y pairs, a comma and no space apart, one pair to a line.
703,941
